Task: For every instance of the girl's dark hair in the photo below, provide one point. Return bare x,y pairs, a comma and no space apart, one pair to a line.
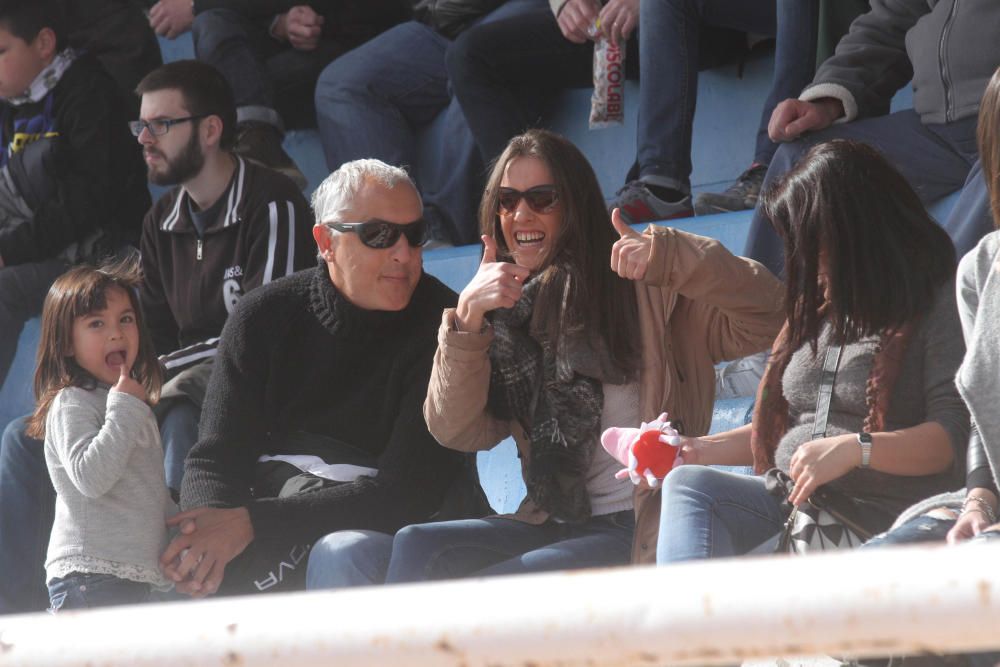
602,303
988,135
884,255
78,292
26,19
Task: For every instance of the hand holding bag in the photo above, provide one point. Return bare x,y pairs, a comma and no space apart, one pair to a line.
829,520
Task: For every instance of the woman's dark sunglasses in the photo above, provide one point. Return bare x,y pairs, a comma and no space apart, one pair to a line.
541,198
380,234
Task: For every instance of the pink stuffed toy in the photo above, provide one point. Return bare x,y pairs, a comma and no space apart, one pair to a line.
648,452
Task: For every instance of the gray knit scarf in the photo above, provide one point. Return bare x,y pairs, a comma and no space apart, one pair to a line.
541,383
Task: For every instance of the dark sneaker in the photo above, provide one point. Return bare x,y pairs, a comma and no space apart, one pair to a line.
740,196
261,143
638,204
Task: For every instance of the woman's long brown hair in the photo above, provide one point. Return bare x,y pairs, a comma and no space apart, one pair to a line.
988,136
602,303
78,292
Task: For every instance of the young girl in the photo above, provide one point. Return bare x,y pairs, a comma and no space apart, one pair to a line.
97,375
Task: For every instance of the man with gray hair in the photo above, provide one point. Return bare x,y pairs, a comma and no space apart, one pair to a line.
312,421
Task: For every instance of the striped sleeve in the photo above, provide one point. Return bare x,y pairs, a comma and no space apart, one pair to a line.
180,359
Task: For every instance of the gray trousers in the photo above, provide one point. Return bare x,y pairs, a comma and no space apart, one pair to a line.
935,159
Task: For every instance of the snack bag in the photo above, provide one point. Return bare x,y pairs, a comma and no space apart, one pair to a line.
607,104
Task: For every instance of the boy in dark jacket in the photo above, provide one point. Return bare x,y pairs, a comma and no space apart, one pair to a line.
72,185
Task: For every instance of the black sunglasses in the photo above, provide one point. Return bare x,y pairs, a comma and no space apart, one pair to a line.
541,198
380,234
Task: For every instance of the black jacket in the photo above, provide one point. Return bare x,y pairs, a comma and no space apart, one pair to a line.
297,356
191,283
76,165
349,21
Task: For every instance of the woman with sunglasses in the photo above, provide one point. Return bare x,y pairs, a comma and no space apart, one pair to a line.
551,345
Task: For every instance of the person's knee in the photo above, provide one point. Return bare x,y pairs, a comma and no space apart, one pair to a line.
465,57
413,540
348,558
931,527
785,158
211,27
687,477
346,78
15,442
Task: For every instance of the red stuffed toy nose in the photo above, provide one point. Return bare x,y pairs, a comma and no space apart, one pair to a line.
652,454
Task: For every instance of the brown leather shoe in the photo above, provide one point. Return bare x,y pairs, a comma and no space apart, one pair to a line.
261,143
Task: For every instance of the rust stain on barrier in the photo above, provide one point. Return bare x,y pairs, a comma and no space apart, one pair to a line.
706,604
5,647
231,628
443,645
232,659
984,593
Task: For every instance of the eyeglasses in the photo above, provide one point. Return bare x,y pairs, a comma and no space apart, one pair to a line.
541,198
380,234
159,126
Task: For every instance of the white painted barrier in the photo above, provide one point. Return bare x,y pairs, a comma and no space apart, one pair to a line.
719,612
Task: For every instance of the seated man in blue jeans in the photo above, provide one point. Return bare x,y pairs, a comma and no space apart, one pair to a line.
503,70
271,52
949,49
227,227
371,102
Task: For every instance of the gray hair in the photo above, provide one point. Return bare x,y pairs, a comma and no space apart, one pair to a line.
337,192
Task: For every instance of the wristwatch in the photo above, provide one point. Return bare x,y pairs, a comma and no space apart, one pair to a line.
865,440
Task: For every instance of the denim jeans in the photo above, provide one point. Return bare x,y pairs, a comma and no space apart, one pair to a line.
918,530
936,160
271,81
708,513
86,591
27,505
371,102
669,59
22,290
503,72
179,433
349,558
469,547
497,545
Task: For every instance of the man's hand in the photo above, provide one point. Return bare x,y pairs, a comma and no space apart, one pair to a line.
575,19
618,19
820,461
793,117
196,559
300,26
171,18
630,253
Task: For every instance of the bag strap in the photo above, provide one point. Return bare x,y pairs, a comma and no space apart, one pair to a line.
825,393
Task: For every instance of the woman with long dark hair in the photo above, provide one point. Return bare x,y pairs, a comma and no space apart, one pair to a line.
869,302
573,323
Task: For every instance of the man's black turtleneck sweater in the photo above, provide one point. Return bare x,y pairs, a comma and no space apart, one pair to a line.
298,356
